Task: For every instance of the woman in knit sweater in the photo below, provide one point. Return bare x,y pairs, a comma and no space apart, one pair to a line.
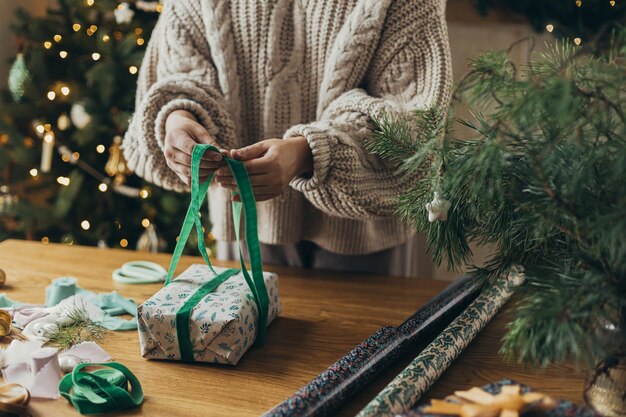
290,87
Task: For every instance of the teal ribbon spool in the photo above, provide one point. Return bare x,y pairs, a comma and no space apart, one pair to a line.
60,289
255,280
103,390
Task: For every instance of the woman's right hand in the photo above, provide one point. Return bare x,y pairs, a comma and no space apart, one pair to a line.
182,133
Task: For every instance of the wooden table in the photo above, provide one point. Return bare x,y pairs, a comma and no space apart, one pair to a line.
324,316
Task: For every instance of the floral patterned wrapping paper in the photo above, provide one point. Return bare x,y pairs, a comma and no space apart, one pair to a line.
223,325
408,386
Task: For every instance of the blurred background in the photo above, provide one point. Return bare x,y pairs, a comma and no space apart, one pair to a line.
68,70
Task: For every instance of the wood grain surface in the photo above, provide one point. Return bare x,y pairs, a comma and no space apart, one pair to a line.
325,314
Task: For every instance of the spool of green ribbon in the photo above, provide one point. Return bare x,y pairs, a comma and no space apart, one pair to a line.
102,391
255,281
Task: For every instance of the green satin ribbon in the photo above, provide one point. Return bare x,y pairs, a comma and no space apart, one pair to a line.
255,280
103,390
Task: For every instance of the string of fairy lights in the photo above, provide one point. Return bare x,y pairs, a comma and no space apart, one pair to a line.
60,90
578,3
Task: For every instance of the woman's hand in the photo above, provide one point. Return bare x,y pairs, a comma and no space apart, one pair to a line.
182,133
271,164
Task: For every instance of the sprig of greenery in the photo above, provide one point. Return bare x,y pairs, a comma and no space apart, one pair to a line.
78,328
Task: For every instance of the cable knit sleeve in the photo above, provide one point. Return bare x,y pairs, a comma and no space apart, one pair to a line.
177,73
410,69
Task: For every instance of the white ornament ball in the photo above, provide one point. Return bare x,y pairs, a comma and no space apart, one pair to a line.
438,209
80,117
123,14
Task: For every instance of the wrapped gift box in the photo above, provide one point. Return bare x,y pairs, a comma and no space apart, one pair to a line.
222,325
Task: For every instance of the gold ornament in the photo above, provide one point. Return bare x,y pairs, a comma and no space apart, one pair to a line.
3,278
116,165
606,385
5,323
150,241
14,399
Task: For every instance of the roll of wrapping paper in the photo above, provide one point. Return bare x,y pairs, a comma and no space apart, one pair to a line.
406,388
349,374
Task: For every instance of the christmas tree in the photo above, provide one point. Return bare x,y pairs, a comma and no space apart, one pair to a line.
541,182
71,94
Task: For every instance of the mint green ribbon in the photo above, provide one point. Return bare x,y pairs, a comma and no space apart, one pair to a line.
103,390
255,281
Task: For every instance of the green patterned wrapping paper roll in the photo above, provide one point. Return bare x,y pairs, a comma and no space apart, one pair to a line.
408,386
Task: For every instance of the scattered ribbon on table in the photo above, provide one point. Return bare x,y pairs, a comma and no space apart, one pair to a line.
408,386
139,272
39,368
255,282
64,293
103,390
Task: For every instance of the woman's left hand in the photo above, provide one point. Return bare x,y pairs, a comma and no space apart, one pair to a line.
271,165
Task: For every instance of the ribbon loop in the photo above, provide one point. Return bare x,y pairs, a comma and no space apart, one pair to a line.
103,390
255,280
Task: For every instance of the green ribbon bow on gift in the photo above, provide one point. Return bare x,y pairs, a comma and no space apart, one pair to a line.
255,282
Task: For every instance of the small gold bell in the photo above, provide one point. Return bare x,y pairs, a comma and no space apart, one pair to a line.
116,165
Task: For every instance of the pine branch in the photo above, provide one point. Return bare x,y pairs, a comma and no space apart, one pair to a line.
77,329
541,182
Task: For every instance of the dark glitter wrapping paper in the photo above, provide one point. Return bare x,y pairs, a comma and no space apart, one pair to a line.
351,373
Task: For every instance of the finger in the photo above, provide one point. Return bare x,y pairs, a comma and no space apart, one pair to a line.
184,179
186,161
262,165
185,140
255,150
186,171
182,140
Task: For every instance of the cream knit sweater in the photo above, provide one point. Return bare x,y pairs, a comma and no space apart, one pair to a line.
257,69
